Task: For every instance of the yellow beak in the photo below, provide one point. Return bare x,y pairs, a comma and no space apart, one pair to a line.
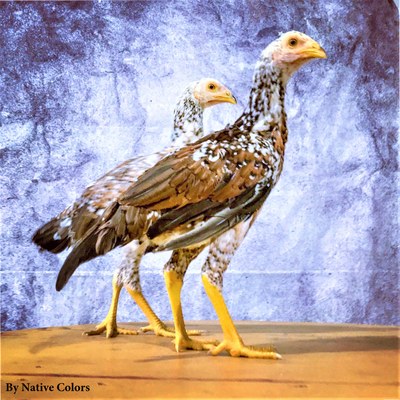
226,97
314,50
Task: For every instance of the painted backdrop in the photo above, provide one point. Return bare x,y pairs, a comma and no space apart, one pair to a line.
86,85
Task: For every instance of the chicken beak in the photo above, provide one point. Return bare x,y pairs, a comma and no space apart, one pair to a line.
314,50
226,97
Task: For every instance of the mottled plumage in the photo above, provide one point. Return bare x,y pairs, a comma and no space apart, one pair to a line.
71,224
74,222
201,191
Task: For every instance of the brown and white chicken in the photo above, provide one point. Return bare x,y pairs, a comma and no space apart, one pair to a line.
74,222
200,192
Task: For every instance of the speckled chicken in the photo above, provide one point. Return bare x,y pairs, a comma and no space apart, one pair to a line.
74,222
197,194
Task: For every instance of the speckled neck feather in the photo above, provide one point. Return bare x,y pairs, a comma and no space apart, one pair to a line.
266,100
188,119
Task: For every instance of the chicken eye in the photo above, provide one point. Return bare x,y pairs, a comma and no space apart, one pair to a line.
292,42
211,86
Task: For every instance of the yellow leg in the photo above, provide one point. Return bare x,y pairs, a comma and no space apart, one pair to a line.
167,331
156,325
109,324
232,342
174,284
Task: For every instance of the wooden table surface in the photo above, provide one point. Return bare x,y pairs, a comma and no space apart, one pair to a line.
319,361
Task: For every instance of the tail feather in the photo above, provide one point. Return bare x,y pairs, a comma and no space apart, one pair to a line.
106,234
83,251
52,236
114,230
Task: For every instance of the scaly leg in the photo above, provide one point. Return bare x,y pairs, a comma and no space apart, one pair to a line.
179,262
155,324
220,254
232,342
167,330
109,324
174,284
128,275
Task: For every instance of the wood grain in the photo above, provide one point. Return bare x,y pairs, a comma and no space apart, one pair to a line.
319,361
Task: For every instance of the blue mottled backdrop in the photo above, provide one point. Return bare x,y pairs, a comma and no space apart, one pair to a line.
85,85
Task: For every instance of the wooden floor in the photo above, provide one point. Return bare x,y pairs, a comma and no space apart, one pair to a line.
319,361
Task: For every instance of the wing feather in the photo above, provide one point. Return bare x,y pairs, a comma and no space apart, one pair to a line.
171,182
206,169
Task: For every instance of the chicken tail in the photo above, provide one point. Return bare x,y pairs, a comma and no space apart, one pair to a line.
54,235
83,251
99,239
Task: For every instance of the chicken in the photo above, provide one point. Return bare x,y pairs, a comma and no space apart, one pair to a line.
73,223
199,193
